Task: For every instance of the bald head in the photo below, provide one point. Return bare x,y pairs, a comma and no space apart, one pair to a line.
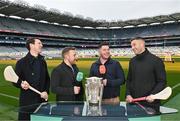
138,45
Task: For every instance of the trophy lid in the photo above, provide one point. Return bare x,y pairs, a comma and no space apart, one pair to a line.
94,78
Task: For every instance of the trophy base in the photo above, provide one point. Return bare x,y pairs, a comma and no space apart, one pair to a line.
94,110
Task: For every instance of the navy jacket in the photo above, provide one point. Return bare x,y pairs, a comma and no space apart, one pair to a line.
114,75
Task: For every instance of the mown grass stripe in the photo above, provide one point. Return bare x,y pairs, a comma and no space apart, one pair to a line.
13,97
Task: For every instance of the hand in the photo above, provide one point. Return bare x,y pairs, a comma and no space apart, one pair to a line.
44,95
76,89
104,81
129,99
77,110
25,85
149,99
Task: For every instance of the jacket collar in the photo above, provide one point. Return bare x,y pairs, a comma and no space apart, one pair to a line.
143,54
64,64
31,58
109,61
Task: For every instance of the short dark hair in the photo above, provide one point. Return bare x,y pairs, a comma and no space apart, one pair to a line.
66,50
30,41
103,44
137,38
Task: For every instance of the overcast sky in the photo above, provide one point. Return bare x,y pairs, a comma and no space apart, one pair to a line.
112,9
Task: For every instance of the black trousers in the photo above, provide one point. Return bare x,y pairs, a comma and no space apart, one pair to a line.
26,111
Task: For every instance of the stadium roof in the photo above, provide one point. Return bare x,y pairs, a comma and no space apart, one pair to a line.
40,13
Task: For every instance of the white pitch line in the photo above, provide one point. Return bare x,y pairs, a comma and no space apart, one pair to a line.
175,86
5,95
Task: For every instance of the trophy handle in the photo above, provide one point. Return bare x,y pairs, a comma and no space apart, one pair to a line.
101,94
87,97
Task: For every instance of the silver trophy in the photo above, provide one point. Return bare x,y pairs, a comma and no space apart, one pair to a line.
94,92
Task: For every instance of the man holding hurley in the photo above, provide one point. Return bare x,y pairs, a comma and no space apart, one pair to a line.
32,70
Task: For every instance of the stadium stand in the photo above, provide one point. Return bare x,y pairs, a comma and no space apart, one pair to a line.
15,28
51,53
29,27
